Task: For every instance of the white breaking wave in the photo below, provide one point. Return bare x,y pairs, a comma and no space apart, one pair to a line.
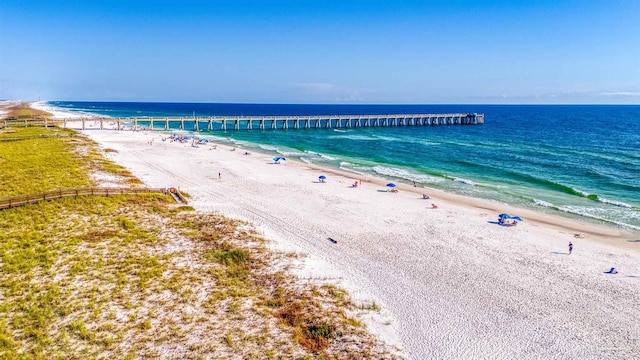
589,212
347,166
354,137
320,155
465,181
614,203
289,153
327,157
267,147
543,203
237,142
582,193
388,138
404,174
430,143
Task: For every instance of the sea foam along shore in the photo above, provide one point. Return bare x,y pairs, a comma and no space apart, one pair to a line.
454,283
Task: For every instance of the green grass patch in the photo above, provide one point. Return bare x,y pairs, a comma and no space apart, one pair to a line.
51,163
22,131
182,208
39,165
44,257
228,256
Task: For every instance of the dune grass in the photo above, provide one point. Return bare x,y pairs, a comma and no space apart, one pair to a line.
44,164
22,131
40,164
138,276
130,276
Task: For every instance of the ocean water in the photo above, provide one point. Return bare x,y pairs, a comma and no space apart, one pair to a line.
580,161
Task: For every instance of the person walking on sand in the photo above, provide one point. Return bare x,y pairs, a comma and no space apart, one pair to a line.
219,176
570,247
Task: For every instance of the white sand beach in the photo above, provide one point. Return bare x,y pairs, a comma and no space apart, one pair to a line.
451,283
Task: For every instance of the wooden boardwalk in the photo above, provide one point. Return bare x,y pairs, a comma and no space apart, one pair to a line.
57,194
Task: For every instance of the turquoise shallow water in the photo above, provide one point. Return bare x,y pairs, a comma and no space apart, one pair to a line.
574,160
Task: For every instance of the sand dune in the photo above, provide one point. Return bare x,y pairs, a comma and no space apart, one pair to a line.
451,283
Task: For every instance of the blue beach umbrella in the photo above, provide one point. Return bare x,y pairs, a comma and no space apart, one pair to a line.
392,185
504,216
278,158
322,177
517,218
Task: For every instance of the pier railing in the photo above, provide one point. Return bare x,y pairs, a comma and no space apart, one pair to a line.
224,123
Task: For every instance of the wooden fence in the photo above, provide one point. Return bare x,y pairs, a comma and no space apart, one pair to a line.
57,194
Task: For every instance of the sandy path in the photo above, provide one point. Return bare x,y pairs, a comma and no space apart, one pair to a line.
455,285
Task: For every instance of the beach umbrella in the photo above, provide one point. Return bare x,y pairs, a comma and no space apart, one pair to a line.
504,216
322,177
391,185
517,218
278,158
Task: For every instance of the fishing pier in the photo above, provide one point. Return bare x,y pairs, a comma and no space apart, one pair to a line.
224,123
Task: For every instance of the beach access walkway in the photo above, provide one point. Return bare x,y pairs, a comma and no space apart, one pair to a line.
58,194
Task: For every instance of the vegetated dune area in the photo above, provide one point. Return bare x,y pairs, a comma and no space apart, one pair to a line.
143,276
266,261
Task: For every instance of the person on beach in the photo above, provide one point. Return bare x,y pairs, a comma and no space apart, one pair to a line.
570,247
219,176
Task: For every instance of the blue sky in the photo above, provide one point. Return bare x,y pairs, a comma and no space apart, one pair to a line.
322,51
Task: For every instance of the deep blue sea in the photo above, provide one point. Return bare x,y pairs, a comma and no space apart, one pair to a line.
574,160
